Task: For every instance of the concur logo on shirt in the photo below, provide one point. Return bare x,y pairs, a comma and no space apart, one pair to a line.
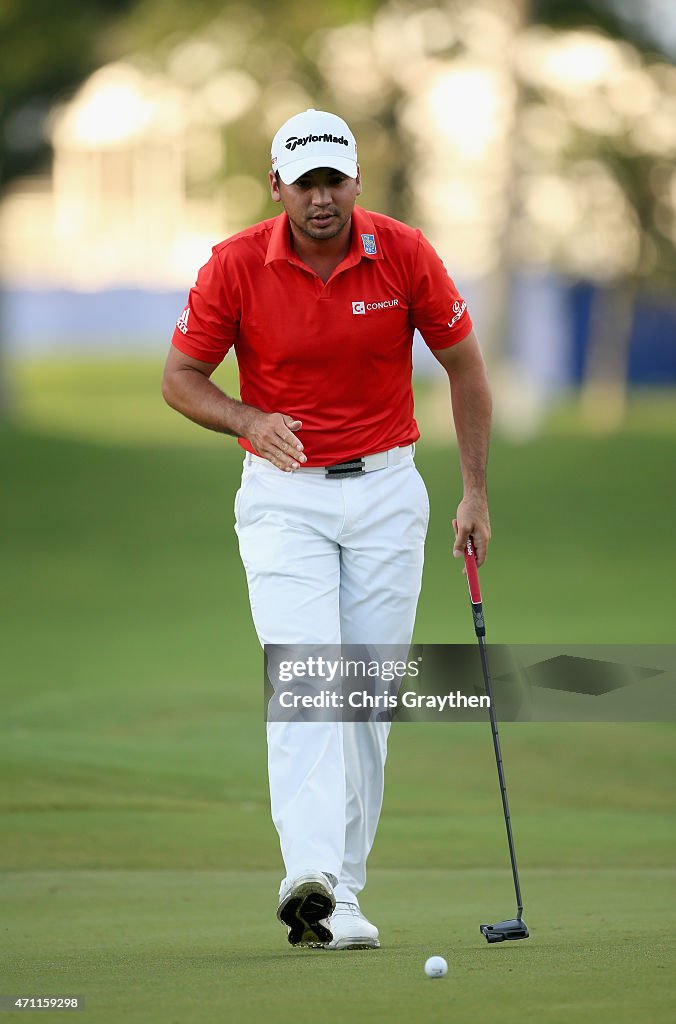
360,308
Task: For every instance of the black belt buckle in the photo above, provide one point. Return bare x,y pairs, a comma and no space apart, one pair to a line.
342,469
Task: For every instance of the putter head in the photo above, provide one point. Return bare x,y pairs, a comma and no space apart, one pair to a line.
514,929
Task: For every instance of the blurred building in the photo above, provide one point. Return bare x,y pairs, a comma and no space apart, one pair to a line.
117,208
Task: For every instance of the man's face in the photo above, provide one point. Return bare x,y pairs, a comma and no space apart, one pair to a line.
319,204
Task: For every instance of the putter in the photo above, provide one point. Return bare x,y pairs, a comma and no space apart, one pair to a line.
516,927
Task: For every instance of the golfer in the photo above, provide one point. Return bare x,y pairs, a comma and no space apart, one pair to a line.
320,305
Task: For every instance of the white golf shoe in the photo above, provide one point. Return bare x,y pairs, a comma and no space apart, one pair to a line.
305,903
351,930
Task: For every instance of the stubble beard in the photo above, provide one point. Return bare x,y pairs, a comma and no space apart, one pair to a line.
321,234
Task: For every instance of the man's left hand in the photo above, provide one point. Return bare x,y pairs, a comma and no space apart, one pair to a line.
472,519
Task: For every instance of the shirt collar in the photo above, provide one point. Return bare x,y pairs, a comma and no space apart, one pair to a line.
364,243
279,246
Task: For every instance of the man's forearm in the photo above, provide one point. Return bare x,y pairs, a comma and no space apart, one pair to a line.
472,409
195,396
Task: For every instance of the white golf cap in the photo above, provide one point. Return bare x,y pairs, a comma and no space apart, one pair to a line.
312,139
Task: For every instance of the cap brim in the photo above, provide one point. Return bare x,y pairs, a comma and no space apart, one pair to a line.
292,171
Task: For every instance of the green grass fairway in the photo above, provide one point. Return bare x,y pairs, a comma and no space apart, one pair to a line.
180,946
138,864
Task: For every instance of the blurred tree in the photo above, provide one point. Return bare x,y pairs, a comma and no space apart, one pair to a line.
616,166
49,48
639,23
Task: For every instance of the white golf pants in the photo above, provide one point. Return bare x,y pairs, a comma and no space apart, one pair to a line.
331,561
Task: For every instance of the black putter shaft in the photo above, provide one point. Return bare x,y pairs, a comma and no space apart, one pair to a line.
516,928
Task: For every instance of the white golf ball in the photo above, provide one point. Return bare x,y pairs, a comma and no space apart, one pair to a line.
436,967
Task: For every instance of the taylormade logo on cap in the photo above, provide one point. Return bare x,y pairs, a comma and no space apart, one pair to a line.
293,141
313,139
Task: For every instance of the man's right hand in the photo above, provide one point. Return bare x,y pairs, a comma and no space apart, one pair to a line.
272,436
187,387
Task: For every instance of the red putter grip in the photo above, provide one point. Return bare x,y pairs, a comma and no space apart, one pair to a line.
472,572
474,588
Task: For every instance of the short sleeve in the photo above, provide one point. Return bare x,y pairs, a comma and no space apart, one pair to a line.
209,324
437,310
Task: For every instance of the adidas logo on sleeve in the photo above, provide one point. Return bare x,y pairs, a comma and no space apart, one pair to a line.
182,322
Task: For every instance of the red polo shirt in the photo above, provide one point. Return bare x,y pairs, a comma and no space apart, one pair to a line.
337,355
